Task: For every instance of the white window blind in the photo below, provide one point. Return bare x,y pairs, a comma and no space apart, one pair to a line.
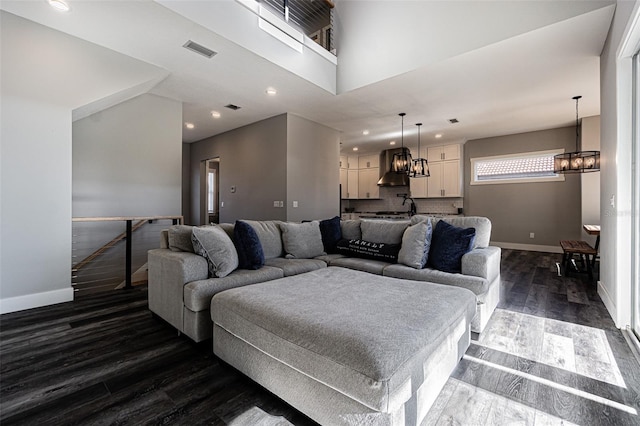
515,168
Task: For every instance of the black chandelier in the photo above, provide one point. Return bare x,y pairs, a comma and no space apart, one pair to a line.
578,161
401,161
420,167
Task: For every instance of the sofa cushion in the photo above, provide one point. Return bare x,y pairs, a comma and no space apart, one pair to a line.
295,266
331,233
477,285
250,254
383,231
180,238
198,294
351,229
228,228
448,244
415,245
369,250
302,240
214,244
365,265
270,237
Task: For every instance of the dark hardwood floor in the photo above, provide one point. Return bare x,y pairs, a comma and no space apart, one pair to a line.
551,353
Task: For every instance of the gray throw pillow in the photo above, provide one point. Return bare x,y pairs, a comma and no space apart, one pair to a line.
416,242
383,231
180,238
351,229
213,243
302,240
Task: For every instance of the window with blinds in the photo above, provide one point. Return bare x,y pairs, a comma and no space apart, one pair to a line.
515,168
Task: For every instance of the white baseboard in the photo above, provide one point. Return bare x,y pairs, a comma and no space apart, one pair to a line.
29,301
608,303
527,247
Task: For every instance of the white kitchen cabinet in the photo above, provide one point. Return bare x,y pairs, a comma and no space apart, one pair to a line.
418,187
369,161
344,164
443,152
352,184
445,179
352,162
368,183
344,183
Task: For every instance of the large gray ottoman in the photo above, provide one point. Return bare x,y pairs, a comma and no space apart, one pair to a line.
346,347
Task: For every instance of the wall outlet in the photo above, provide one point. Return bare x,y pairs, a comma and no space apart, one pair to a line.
275,204
295,204
280,203
532,235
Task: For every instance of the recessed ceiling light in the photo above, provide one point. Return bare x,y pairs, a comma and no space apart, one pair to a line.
271,91
365,132
215,114
438,135
60,5
355,148
392,143
189,125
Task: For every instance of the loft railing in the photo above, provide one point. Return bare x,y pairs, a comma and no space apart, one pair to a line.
314,18
107,250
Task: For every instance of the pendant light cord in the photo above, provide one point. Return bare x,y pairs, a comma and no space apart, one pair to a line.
577,98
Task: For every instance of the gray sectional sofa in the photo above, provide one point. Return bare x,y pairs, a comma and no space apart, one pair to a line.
181,290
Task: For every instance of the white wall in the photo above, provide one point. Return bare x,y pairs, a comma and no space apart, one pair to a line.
127,160
615,177
40,87
381,39
35,262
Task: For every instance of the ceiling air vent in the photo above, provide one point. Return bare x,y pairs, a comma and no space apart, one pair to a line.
233,107
453,120
198,48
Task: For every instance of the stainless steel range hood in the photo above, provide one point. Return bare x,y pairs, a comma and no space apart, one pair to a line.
391,178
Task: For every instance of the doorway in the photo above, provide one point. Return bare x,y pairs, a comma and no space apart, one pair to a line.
210,191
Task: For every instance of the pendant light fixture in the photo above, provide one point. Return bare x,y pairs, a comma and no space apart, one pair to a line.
401,162
420,167
578,161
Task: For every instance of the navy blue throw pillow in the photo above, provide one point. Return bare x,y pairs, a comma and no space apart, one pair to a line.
331,234
369,250
448,244
250,253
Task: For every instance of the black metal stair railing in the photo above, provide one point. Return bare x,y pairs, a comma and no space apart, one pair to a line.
314,18
111,252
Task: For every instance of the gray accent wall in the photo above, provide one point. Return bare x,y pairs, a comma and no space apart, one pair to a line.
253,161
313,170
551,210
283,158
186,182
127,159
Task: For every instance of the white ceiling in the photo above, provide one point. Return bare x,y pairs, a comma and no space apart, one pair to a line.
521,83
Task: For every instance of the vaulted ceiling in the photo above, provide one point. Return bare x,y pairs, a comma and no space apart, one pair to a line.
507,67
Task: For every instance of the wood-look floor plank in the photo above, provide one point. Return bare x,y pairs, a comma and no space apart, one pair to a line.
104,359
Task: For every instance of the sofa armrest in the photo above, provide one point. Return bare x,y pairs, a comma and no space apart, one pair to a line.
482,262
169,271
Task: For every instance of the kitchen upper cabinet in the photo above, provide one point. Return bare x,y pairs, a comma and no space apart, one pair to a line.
344,164
368,183
352,184
443,152
369,161
344,183
352,162
445,179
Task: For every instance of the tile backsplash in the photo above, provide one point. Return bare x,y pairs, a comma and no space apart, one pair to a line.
389,201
